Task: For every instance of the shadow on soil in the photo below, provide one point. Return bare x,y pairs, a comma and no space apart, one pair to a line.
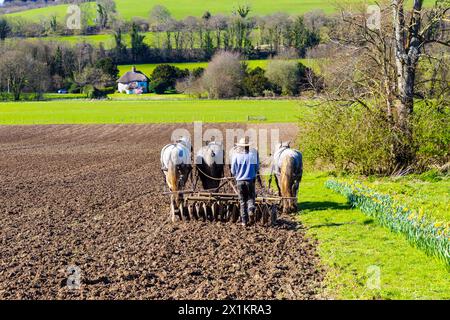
287,224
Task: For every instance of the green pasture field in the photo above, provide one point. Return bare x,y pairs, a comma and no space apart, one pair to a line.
44,13
144,111
106,39
148,68
45,96
63,96
127,9
352,245
150,96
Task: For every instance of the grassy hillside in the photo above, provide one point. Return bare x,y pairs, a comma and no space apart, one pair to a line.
106,39
87,111
128,9
60,11
352,244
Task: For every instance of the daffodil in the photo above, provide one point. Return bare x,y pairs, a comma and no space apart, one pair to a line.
438,224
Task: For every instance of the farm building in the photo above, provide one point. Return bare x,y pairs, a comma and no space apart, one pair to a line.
133,82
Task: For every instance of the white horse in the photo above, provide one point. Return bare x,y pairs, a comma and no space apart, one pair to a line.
287,168
176,166
209,162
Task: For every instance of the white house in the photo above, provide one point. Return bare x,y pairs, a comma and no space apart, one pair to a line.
133,82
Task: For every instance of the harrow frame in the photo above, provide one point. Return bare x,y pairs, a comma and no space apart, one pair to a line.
224,206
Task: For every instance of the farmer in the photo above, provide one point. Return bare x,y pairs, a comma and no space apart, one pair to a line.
244,167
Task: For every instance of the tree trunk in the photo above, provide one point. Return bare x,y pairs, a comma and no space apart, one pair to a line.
407,47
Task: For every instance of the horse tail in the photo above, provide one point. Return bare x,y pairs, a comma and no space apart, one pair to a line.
286,175
172,180
287,182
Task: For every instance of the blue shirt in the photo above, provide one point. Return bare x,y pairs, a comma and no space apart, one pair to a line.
245,166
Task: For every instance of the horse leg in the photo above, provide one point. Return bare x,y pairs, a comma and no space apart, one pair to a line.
278,186
284,202
173,209
294,203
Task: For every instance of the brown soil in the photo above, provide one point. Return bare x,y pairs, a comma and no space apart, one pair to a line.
90,196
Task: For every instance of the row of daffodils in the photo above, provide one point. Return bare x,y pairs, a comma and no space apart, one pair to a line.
431,236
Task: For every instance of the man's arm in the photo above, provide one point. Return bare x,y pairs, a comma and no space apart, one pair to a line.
233,165
257,162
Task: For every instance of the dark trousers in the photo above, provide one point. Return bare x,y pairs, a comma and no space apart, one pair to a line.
247,194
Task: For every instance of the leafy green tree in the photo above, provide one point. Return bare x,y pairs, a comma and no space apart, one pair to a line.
289,75
255,83
164,78
5,29
138,47
108,66
240,28
57,65
120,50
301,37
53,24
197,72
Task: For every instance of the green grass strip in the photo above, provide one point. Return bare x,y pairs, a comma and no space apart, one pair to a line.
425,233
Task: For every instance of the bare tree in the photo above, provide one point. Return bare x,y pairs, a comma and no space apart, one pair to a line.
223,77
190,30
219,24
315,19
274,26
160,20
93,76
105,12
20,70
159,15
411,34
380,64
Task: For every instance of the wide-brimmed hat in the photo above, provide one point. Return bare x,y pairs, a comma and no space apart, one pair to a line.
243,142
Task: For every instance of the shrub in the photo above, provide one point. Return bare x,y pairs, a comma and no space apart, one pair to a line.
108,66
286,74
92,92
349,138
255,83
75,88
89,91
164,78
223,76
269,94
431,135
197,72
359,139
190,86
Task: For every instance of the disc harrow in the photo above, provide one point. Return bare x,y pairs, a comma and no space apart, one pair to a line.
224,207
